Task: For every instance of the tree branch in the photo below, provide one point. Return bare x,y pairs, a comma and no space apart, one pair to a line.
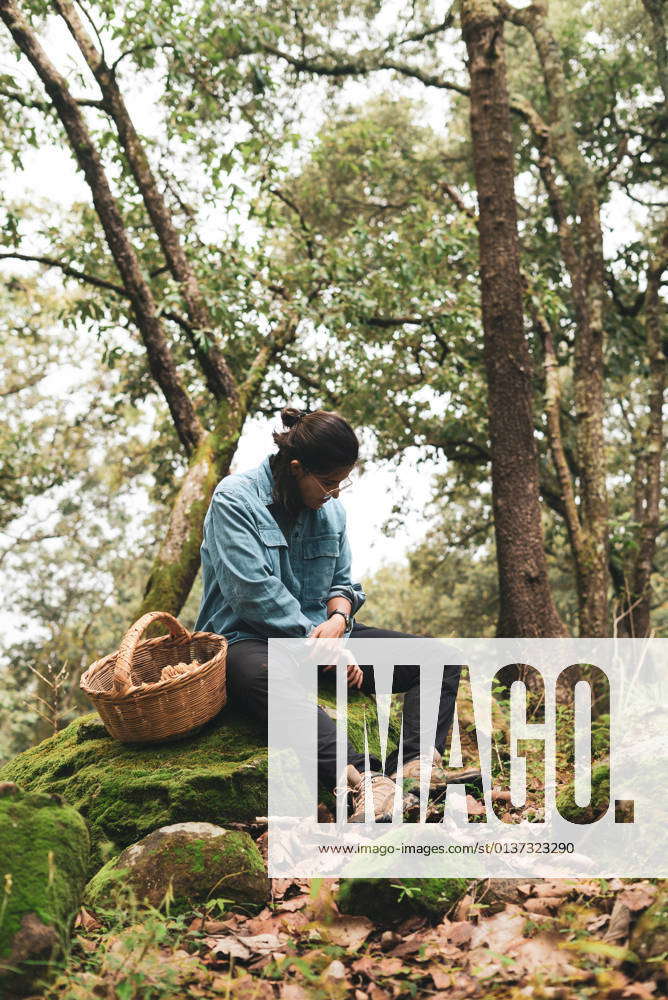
93,280
212,362
29,102
361,66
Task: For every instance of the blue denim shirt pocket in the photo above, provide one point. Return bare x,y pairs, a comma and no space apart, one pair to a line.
274,539
320,553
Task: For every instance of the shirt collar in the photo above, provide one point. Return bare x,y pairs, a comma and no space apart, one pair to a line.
265,481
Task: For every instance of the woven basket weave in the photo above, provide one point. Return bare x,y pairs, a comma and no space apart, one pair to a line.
159,709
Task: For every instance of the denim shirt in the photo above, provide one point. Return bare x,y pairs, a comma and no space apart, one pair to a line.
258,583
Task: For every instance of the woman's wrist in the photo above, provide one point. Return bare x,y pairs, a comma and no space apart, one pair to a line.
341,616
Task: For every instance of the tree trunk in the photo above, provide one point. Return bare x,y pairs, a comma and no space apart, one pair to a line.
161,362
527,607
177,562
212,362
582,249
635,620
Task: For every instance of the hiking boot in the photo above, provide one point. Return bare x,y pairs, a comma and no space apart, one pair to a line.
440,777
382,791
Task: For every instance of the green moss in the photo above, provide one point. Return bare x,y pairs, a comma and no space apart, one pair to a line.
600,797
44,856
224,864
217,775
387,900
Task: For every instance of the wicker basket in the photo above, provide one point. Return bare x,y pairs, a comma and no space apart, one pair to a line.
160,709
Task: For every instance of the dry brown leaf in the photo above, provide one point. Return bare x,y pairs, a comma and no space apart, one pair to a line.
87,920
251,988
554,887
542,953
348,932
544,906
388,966
245,946
260,944
293,991
364,965
441,977
585,888
499,931
474,807
642,991
227,947
620,921
88,946
464,907
460,933
376,993
595,923
295,903
639,896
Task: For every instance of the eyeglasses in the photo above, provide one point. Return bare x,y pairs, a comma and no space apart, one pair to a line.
345,484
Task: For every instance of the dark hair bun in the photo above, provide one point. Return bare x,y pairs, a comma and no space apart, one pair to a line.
291,416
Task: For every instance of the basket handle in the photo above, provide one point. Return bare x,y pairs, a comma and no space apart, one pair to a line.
123,664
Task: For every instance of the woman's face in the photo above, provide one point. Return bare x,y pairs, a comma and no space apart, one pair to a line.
313,489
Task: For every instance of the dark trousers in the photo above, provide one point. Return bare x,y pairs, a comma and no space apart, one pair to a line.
247,686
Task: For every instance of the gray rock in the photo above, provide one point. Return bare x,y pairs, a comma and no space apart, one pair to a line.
202,862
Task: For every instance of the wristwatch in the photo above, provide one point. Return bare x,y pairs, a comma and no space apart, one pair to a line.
345,616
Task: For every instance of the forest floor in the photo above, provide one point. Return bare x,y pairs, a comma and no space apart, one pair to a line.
506,939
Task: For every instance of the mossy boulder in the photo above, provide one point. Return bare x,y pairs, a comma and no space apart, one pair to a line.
216,775
600,797
649,940
200,860
44,857
387,900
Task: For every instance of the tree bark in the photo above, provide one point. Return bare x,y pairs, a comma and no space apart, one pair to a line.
582,250
212,362
177,562
161,362
656,11
526,604
178,559
635,617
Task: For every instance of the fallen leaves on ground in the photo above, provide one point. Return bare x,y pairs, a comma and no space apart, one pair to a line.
506,940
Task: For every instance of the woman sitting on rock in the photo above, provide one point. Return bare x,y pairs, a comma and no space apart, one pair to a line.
276,562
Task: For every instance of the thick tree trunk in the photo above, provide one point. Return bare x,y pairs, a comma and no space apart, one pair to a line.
177,562
635,620
656,10
527,607
582,250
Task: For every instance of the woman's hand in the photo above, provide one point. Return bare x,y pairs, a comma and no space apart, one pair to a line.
334,628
